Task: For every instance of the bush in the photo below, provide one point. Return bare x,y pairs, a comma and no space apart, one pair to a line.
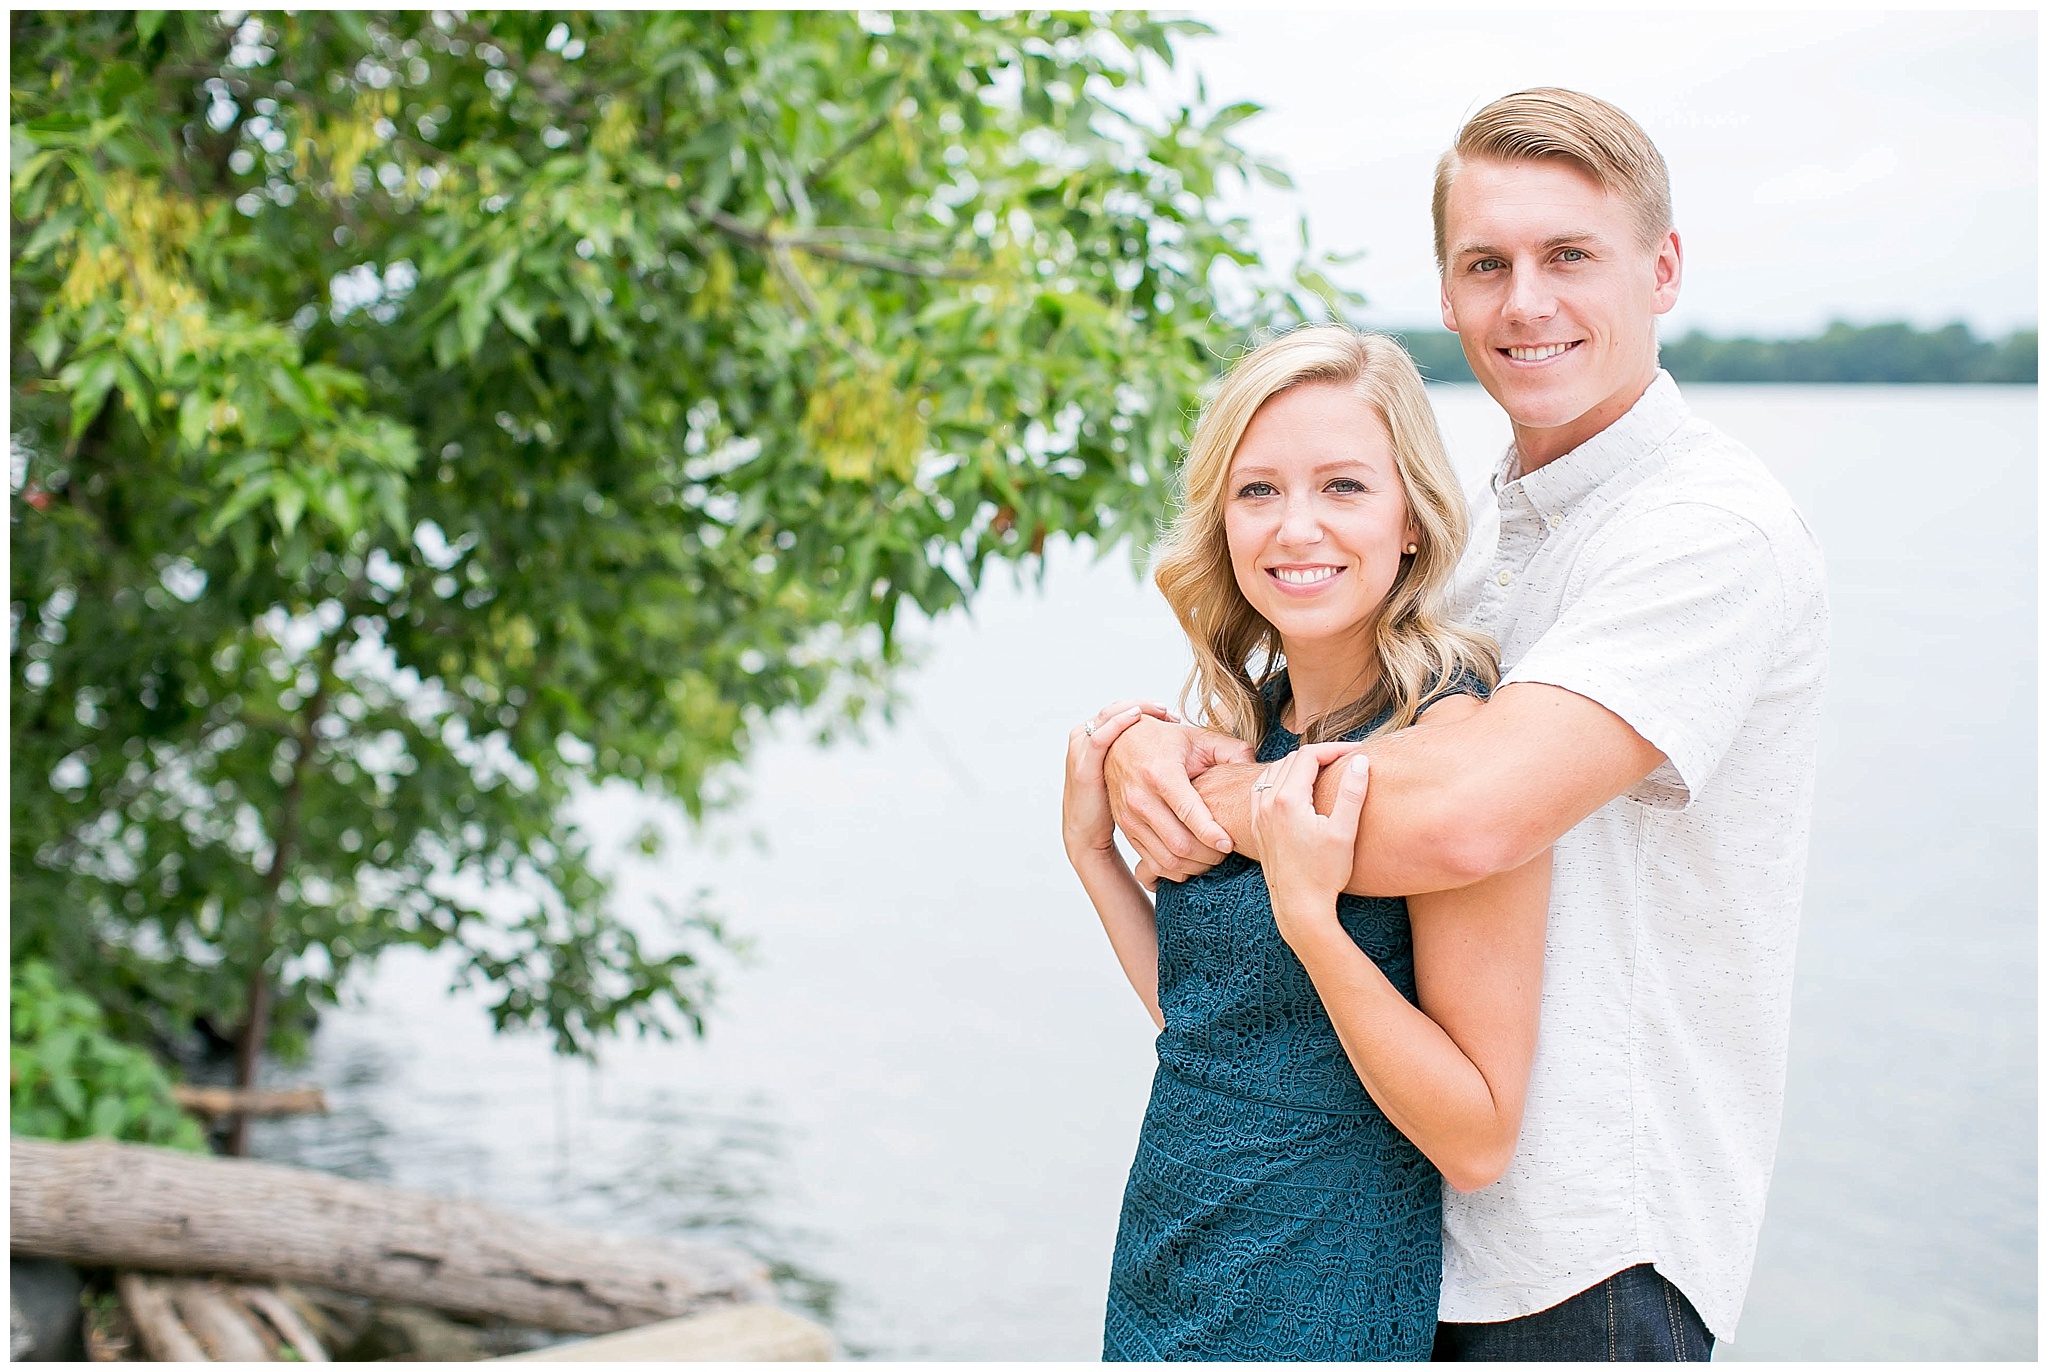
69,1079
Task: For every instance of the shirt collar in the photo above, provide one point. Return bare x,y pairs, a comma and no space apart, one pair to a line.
1557,485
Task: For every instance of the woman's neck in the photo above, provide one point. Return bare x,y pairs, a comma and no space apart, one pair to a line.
1322,677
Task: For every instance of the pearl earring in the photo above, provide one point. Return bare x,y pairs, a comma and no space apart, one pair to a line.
1412,549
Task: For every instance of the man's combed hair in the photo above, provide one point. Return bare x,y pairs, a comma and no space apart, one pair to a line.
1549,123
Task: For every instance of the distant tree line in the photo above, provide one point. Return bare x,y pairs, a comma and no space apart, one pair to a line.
1892,354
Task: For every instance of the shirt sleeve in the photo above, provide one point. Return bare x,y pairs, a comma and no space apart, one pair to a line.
1672,626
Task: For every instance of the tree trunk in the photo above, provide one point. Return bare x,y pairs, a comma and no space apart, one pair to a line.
256,1028
255,1036
122,1205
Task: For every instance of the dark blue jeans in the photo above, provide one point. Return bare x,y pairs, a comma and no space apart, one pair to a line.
1633,1316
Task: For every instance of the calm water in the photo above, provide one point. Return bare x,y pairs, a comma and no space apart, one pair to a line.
921,1090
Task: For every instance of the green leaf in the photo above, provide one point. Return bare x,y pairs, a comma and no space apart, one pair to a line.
518,317
288,498
246,497
89,380
106,1118
1230,116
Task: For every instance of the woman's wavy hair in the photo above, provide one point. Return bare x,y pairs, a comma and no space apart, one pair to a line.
1237,652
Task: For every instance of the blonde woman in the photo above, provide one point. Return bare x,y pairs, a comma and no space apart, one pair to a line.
1324,1059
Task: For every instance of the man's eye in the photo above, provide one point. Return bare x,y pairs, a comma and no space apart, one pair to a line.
1571,255
1255,490
1488,264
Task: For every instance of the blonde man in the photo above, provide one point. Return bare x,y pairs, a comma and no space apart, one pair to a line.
1662,616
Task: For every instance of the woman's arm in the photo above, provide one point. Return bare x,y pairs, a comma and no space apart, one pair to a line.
1127,918
1090,838
1453,1075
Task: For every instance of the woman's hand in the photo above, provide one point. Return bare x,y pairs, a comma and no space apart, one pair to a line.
1085,822
1307,856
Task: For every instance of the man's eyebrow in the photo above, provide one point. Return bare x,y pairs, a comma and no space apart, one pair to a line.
1565,240
1555,241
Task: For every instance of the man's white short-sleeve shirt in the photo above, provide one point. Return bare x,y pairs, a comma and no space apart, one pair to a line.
1660,571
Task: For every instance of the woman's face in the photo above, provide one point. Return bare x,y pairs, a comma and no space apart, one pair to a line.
1315,517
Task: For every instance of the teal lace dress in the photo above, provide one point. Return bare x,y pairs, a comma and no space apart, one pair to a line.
1272,1211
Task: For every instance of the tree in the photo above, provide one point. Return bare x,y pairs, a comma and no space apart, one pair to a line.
418,417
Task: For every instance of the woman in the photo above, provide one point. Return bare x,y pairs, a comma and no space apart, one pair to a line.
1284,1202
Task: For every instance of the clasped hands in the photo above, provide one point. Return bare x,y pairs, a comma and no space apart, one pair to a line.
1161,778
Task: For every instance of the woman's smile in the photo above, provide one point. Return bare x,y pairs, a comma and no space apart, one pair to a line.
1296,579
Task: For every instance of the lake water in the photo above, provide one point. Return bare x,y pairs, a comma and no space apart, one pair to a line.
920,1093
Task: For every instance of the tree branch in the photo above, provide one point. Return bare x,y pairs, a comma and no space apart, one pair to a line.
826,243
838,155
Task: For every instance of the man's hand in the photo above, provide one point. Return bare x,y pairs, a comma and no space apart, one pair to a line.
1150,772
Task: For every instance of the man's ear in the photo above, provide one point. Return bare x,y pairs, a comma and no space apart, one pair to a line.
1443,302
1670,271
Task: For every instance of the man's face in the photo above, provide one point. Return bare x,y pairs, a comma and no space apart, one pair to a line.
1553,295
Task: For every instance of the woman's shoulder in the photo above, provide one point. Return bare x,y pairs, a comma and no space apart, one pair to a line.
1461,681
1453,695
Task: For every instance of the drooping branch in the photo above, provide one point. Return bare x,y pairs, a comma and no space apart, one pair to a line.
827,243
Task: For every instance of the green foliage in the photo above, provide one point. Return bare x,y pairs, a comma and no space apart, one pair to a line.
69,1079
1438,354
1881,353
420,418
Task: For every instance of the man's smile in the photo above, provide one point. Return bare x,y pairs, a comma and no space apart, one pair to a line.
1538,352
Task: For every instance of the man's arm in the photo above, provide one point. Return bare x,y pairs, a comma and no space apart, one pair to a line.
1657,658
1470,791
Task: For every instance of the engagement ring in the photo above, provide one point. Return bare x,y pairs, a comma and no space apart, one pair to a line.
1089,728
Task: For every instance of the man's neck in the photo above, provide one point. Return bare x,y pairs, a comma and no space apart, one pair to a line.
1539,447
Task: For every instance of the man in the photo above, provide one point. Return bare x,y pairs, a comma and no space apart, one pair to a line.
1662,617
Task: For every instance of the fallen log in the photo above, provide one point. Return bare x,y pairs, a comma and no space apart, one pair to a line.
124,1205
749,1333
232,1100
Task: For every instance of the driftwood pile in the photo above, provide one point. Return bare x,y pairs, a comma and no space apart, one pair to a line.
184,1320
245,1235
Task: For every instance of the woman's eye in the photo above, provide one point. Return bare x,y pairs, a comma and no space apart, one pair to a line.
1255,490
1344,485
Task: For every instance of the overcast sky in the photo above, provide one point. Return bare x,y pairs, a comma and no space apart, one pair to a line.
1858,165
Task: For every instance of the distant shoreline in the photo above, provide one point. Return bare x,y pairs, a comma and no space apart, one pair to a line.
1843,354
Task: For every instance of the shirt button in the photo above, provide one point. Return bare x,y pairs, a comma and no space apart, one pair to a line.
1505,576
1552,520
